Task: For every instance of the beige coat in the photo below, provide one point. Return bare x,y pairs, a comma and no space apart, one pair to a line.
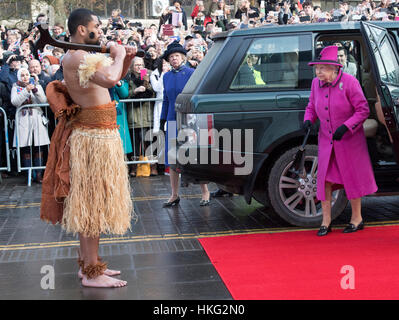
140,114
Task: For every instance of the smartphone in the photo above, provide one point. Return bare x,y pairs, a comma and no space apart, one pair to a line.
31,80
305,18
143,73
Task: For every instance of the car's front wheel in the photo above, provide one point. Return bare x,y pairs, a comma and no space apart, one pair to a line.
293,197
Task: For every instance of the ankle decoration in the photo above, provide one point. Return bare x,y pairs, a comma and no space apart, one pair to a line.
80,263
93,271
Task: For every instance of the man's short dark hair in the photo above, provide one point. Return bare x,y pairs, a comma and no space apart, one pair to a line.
307,4
342,49
79,17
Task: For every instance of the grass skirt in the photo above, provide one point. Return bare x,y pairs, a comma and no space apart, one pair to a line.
99,197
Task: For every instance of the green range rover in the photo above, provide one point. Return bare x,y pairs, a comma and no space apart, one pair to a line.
243,108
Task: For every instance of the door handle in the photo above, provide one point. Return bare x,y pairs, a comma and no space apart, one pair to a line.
288,100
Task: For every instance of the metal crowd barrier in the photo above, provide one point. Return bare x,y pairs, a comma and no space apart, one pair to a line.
21,112
130,107
7,146
129,103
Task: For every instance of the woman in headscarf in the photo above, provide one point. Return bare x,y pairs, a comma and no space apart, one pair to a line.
32,130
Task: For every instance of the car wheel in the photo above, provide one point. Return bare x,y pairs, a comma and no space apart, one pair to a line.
293,197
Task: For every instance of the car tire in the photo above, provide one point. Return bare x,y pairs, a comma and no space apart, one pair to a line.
293,198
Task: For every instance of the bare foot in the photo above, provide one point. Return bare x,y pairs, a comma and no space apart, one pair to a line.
107,272
103,281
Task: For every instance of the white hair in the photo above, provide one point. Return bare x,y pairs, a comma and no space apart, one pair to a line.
19,73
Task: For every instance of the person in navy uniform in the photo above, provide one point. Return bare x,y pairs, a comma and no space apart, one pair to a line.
174,82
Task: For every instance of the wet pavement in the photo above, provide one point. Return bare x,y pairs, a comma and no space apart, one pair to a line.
160,256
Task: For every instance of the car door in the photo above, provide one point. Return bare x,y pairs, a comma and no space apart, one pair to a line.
385,64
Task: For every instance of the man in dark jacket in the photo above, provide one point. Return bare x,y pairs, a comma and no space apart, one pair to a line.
8,73
36,68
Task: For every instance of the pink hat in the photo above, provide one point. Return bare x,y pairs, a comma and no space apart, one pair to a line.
329,55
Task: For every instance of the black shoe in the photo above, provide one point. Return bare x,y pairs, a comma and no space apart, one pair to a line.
352,228
171,203
324,230
204,203
220,193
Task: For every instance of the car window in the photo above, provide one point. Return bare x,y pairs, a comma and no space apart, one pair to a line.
202,68
386,59
274,63
388,66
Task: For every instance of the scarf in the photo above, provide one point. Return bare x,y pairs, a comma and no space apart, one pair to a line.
182,66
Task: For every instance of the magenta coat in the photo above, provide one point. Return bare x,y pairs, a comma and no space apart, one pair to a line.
342,102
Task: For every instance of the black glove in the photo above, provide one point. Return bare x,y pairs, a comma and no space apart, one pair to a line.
306,125
340,132
162,125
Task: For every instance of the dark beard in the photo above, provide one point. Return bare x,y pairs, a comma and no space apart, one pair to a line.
96,42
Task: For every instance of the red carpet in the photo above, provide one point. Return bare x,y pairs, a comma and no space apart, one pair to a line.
301,265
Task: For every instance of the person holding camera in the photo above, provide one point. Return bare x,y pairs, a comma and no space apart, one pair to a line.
200,19
8,73
116,20
164,18
12,43
195,56
178,17
141,116
386,6
198,4
285,12
245,9
32,130
35,69
309,12
221,13
151,58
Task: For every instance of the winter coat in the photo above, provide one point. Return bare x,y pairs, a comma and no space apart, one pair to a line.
174,82
31,121
117,93
335,104
157,84
141,115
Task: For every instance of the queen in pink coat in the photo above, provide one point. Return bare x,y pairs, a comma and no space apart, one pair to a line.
337,100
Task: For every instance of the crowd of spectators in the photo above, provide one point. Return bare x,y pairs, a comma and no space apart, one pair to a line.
193,31
303,11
